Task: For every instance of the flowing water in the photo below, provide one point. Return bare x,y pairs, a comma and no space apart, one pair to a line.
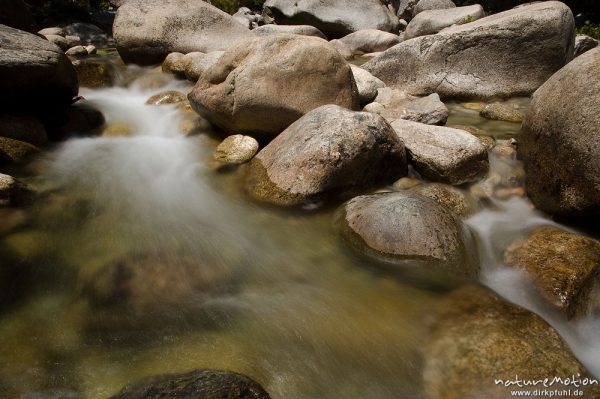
285,300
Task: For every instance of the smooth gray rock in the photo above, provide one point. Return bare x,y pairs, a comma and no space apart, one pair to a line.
147,30
366,83
394,104
432,21
261,86
584,43
560,144
305,30
33,70
335,18
443,154
370,41
425,5
408,229
504,55
329,152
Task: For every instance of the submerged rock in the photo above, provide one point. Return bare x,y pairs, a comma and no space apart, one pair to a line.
261,86
443,154
326,153
564,267
198,384
408,229
34,71
95,73
166,97
432,21
477,338
370,41
394,104
15,151
147,30
335,18
504,55
502,112
236,149
458,201
560,145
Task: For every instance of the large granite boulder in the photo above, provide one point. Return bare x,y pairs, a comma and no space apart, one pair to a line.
370,41
263,85
433,21
335,18
560,144
329,152
409,229
147,30
504,55
443,154
34,71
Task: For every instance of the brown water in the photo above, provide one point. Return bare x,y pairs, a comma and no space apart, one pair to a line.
296,309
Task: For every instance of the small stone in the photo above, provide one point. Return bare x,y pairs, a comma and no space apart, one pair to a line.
167,97
73,41
474,106
236,149
58,40
502,112
91,49
77,51
406,183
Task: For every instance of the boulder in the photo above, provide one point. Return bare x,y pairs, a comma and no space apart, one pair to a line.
394,104
432,21
564,267
366,84
24,128
501,112
263,85
236,149
370,41
56,31
196,64
174,63
304,30
329,152
95,73
443,154
408,229
476,338
458,201
335,18
343,49
58,40
504,55
88,34
15,151
17,14
166,97
584,43
77,51
72,41
147,30
425,5
559,143
197,384
34,71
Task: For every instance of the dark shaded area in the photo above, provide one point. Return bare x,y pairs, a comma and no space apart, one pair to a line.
587,8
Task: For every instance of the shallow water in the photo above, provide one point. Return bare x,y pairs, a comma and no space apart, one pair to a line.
295,308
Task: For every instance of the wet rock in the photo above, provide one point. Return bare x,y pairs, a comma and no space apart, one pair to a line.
370,41
458,201
488,141
263,85
443,154
502,112
584,43
425,5
138,290
477,337
58,40
17,14
432,21
366,84
88,34
394,104
504,55
34,71
147,30
95,73
77,51
15,151
117,129
236,149
152,80
563,266
408,229
24,128
13,192
335,18
560,145
166,97
198,384
197,64
305,30
326,153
